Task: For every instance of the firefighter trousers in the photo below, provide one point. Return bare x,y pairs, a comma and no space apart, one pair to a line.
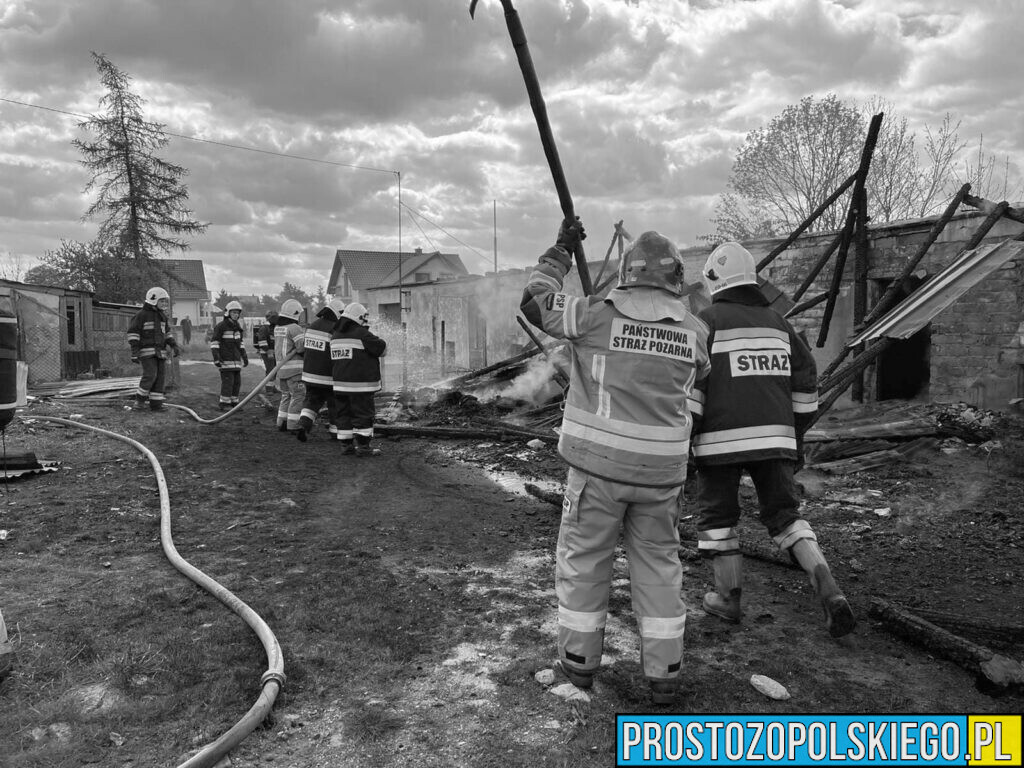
151,384
293,392
718,494
593,511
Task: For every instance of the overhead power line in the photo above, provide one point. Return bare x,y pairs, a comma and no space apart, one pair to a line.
286,155
217,143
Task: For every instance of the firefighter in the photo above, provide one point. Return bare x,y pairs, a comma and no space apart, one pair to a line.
227,345
264,343
356,354
625,434
751,414
289,341
317,370
152,343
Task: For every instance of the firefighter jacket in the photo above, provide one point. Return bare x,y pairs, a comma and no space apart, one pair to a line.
317,366
227,344
356,355
149,334
762,391
264,342
289,339
634,359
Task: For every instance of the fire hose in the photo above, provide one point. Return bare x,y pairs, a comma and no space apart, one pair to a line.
273,678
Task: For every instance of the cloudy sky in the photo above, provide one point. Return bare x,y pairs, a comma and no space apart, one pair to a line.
649,100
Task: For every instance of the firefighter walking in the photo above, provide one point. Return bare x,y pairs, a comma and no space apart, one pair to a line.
751,414
227,345
152,343
625,435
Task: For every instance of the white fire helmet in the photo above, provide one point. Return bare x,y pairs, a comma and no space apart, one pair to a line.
653,261
290,309
336,306
357,312
730,264
153,295
233,305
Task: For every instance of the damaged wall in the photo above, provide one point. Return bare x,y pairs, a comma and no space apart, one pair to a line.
971,352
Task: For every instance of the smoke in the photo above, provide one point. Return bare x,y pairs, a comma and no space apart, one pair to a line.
534,384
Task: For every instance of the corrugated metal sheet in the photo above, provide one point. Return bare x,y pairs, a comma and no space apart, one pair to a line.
962,274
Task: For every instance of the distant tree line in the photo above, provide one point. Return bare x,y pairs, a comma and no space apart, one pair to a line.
260,305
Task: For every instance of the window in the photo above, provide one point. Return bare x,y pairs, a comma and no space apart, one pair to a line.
421,277
71,323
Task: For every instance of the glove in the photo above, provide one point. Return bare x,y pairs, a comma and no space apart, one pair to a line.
218,363
570,235
135,359
557,258
245,361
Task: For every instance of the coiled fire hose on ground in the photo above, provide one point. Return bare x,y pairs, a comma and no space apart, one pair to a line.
273,679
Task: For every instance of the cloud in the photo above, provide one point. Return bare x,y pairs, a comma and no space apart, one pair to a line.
648,102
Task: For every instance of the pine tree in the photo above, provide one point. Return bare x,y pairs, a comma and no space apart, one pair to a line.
139,194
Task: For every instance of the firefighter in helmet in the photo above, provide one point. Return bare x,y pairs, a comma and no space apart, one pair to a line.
227,345
289,346
355,354
317,370
625,434
751,414
152,344
264,343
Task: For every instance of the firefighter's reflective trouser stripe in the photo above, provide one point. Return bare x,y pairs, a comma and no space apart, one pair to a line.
592,513
718,505
293,392
317,397
230,385
151,383
355,414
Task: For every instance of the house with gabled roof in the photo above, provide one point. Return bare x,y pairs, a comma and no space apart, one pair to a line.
356,272
186,283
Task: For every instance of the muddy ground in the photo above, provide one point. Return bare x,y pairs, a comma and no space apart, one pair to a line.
412,595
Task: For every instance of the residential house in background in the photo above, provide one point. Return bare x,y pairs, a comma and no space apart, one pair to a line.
356,272
186,283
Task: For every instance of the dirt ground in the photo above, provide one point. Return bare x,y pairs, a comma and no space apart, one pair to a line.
413,597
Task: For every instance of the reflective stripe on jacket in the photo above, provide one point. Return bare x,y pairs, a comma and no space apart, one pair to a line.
226,344
762,389
626,417
356,353
149,333
288,338
317,367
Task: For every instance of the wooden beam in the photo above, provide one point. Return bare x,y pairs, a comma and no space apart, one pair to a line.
994,671
856,200
774,253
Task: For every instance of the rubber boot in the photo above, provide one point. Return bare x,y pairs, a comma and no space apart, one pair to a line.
582,679
363,448
839,618
156,405
140,403
282,427
724,602
347,447
664,691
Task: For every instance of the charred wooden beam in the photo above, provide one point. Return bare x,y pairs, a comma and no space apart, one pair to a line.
995,672
819,265
774,253
856,200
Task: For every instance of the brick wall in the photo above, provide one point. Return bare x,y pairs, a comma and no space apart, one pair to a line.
976,353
